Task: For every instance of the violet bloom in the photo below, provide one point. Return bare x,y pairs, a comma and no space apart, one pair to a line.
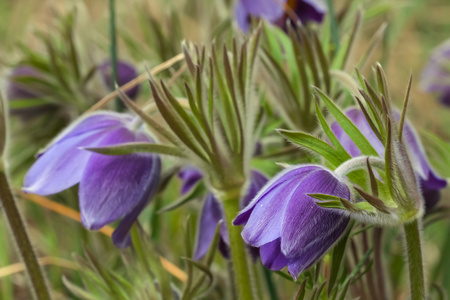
274,11
17,90
286,224
435,76
110,187
430,183
212,211
190,176
125,73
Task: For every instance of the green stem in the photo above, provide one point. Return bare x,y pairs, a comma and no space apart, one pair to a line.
113,50
22,239
242,278
415,263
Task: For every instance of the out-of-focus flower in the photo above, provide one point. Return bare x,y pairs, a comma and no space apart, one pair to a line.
21,87
212,211
279,11
430,183
110,187
435,76
286,224
189,176
125,73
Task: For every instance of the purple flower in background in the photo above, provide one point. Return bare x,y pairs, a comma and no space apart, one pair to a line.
286,224
435,76
274,11
431,184
125,73
110,187
189,176
18,90
212,211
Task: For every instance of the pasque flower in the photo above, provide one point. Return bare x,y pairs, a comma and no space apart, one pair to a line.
125,73
436,74
212,211
274,11
18,90
286,224
431,183
110,187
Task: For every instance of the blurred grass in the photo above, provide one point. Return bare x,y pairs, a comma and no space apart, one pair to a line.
415,29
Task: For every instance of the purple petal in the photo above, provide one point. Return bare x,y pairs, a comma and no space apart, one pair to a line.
125,73
242,16
313,10
419,159
265,222
445,97
286,175
303,235
436,75
17,90
61,166
111,186
189,176
211,215
305,239
121,236
270,10
103,121
272,257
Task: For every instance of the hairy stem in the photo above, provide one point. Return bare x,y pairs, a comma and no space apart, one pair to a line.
22,239
379,270
413,241
242,278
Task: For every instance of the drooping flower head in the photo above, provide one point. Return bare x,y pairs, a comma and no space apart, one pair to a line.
125,73
436,74
212,211
110,187
274,11
430,183
286,224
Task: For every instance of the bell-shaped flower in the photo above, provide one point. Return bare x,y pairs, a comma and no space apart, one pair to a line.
274,11
287,225
435,76
110,187
430,182
125,73
212,211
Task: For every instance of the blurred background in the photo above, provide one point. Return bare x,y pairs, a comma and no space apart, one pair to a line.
70,40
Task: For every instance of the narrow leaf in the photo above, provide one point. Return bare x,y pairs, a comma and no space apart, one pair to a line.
358,138
130,148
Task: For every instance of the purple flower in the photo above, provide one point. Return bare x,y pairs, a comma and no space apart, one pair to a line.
274,11
17,90
431,183
286,224
189,176
110,187
125,73
436,74
212,213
